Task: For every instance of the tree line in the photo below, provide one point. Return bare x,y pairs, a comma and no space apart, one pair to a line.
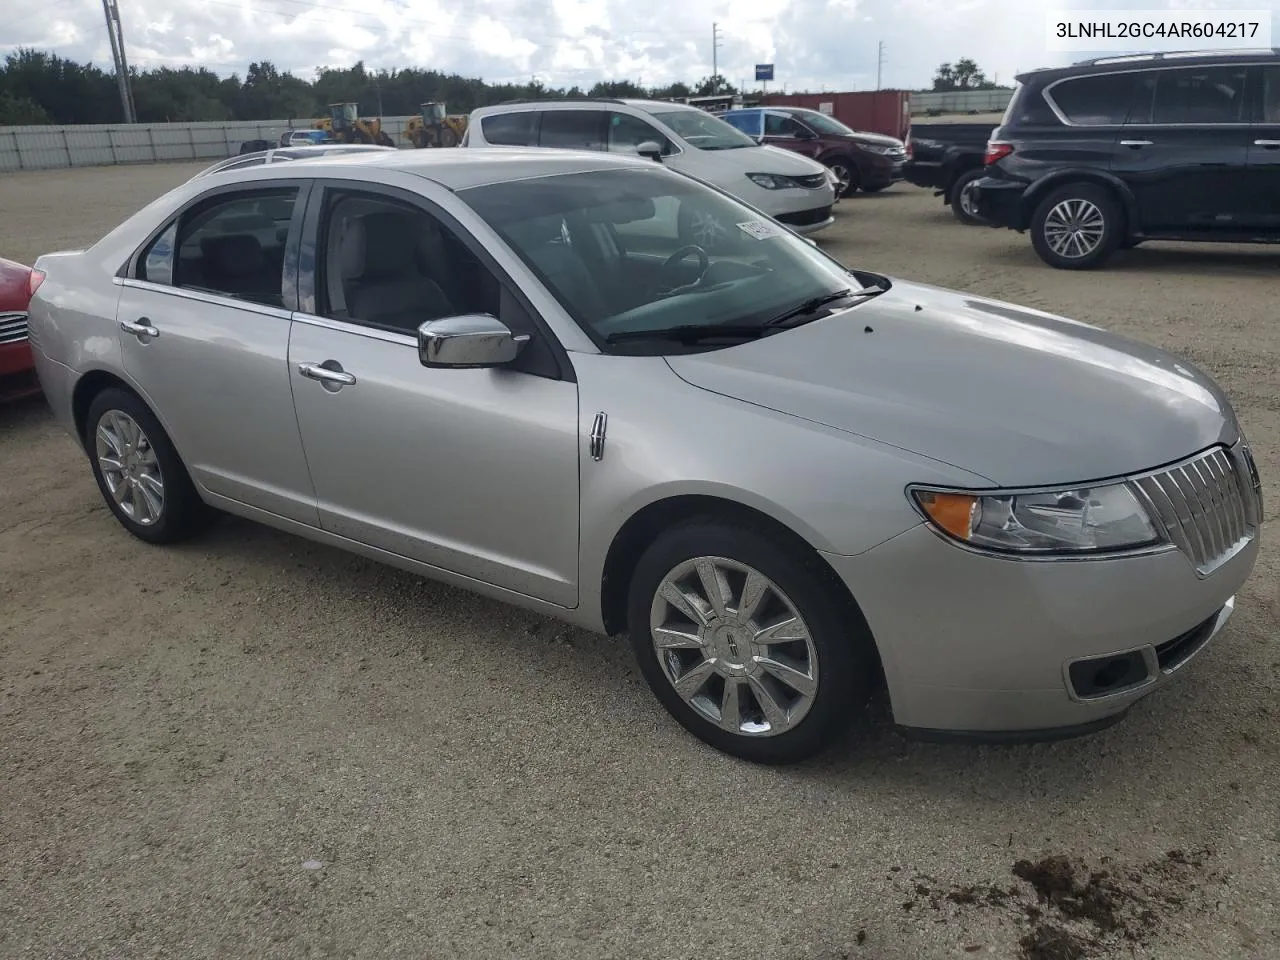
38,87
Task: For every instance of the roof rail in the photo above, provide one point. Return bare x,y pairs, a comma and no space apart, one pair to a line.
507,103
1179,55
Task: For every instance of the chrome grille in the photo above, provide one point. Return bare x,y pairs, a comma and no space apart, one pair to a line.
13,327
1205,506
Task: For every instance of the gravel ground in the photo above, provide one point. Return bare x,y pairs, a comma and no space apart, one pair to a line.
253,746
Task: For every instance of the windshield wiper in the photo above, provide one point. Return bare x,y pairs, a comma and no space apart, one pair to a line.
690,333
814,303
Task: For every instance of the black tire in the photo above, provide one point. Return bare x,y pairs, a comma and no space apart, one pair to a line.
182,513
851,168
841,641
1113,229
957,196
448,137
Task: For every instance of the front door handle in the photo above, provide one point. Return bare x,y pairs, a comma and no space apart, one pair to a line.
139,328
1269,144
316,371
1135,144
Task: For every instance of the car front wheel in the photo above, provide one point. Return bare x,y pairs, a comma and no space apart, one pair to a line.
138,470
747,642
846,174
1076,227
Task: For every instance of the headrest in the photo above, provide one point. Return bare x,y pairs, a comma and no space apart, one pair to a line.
389,244
351,247
232,255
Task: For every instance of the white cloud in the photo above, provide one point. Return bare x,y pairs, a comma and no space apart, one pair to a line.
814,43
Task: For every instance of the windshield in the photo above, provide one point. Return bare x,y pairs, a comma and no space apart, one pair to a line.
825,124
704,131
637,249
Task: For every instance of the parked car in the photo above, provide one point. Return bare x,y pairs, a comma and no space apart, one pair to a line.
17,369
792,189
784,478
1110,152
949,158
254,146
298,138
860,160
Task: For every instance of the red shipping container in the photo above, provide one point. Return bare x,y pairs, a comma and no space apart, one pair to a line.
877,111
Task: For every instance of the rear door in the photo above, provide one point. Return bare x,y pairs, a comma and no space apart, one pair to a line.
203,318
1264,152
1184,148
573,129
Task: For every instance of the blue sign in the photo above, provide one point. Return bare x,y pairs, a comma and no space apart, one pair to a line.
764,71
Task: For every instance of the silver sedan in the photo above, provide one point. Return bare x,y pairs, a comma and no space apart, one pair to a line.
786,480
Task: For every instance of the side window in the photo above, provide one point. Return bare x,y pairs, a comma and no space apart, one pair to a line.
232,245
573,129
1094,101
780,125
511,129
627,132
1271,94
1205,95
393,265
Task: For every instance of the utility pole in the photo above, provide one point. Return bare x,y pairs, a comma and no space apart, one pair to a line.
116,36
879,62
715,49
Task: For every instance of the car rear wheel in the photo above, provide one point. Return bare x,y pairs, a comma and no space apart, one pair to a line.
1076,227
846,175
962,197
138,470
746,641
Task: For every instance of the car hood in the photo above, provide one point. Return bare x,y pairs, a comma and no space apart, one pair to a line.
872,139
1018,396
764,159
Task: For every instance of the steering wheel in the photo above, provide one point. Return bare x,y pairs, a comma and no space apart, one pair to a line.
679,257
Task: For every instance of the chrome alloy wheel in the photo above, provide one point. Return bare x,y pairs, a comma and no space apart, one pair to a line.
129,467
734,647
1074,228
966,200
843,177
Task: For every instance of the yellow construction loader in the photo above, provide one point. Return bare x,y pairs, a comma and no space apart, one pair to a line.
345,125
433,127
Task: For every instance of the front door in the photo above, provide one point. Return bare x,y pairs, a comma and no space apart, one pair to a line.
1184,149
474,471
783,130
204,333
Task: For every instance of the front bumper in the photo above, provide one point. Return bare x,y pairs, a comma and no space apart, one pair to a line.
17,371
883,174
980,645
807,221
999,202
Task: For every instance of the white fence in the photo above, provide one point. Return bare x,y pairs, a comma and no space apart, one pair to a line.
51,147
961,101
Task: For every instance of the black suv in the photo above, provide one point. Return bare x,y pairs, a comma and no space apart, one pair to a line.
1107,153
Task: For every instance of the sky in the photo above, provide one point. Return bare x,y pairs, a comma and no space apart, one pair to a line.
814,44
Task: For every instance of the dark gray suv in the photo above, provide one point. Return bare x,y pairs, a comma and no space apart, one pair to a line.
1108,153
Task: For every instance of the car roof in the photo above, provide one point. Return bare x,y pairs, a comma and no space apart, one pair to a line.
1137,61
258,158
583,103
456,168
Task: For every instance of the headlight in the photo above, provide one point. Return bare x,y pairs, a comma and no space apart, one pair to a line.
770,181
877,148
1084,520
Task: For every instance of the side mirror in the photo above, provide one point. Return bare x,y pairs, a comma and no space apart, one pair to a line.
467,341
650,149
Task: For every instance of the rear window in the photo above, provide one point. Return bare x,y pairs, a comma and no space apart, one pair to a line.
1094,101
573,129
1027,107
1206,95
511,129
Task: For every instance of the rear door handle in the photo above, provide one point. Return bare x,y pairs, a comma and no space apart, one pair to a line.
139,328
1269,144
1135,143
315,371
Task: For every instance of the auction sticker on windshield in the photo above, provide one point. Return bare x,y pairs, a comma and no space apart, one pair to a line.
760,229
